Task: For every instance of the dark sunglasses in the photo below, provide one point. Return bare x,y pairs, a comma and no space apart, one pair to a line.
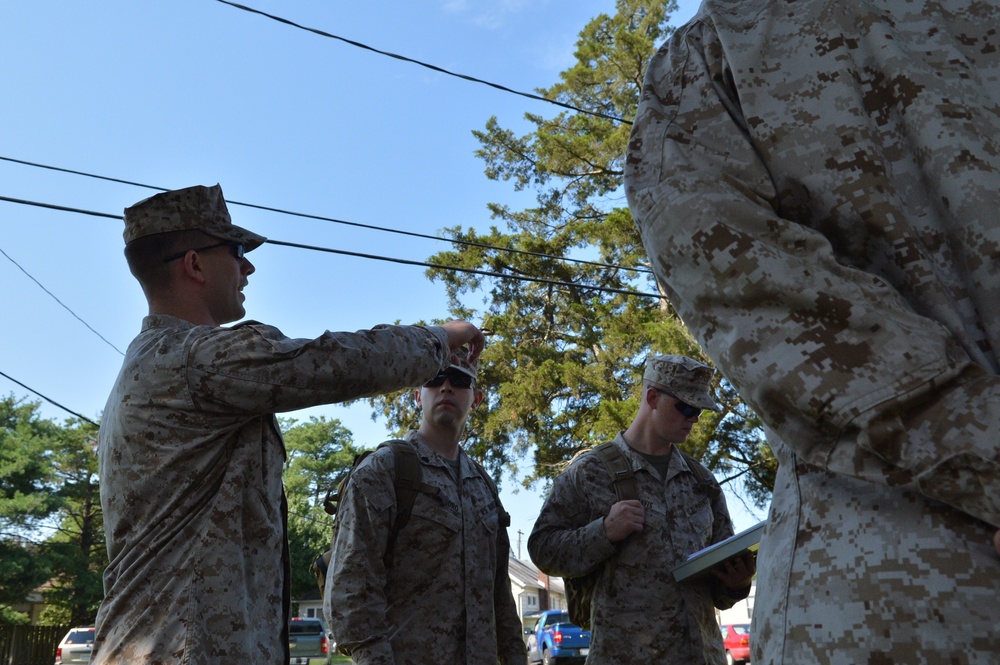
685,409
235,248
456,379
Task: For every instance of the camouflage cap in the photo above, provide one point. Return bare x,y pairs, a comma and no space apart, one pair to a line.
460,362
687,379
199,207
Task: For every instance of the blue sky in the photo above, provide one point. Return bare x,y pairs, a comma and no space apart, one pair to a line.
186,92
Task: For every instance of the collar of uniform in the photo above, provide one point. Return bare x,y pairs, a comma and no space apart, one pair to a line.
430,456
636,461
164,321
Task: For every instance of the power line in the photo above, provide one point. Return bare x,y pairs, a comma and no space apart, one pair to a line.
59,301
472,271
377,257
287,244
49,400
52,206
413,234
467,243
435,68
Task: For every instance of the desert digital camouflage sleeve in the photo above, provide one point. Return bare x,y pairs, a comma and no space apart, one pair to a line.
833,357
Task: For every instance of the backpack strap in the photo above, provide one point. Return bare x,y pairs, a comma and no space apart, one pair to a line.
580,590
333,496
622,477
407,485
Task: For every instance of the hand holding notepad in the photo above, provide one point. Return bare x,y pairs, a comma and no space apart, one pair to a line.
702,561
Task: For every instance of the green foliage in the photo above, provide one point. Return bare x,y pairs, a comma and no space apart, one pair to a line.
319,453
57,615
564,358
22,570
11,617
24,501
48,477
25,465
309,529
77,549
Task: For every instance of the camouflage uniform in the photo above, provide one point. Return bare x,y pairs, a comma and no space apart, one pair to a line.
190,461
444,598
817,185
640,613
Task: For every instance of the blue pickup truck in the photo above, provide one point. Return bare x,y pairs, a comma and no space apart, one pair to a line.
554,639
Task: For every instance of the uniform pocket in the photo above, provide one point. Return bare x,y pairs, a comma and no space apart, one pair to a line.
696,528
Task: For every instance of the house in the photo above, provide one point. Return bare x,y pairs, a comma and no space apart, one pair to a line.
33,605
311,608
533,590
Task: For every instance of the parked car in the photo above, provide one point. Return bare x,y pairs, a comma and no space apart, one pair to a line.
555,639
75,647
736,639
308,643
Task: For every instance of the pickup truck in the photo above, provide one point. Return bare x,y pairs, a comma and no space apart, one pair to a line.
308,643
554,639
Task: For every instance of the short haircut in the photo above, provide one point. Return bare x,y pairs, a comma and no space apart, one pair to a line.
145,256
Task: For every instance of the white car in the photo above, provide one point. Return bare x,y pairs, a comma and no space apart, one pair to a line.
75,647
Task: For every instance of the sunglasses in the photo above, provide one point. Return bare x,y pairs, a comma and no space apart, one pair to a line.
235,248
685,409
456,379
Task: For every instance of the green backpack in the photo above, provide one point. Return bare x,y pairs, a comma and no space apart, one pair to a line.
580,590
407,485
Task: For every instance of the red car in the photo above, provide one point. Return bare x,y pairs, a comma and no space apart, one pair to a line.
736,638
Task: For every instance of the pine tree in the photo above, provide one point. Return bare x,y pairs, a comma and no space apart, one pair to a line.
319,453
566,355
25,502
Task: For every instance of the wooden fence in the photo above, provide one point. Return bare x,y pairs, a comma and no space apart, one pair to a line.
29,645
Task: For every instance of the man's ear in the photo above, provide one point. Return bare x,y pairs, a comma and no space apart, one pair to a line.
416,396
477,397
649,396
193,269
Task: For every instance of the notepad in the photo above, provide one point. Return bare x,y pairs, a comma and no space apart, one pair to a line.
704,560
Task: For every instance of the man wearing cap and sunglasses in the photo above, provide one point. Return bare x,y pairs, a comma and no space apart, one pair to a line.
443,596
639,613
189,449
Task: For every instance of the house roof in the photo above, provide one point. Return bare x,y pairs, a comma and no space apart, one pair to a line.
527,575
